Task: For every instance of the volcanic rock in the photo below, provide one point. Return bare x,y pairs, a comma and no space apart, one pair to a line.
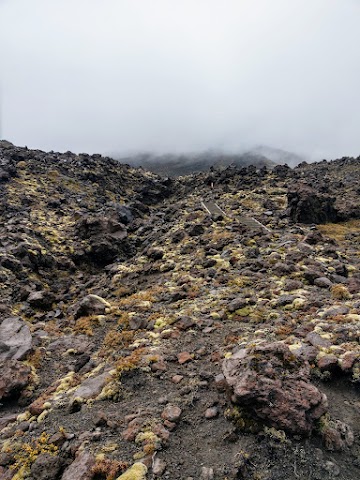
275,386
80,469
46,467
91,305
306,205
15,339
14,377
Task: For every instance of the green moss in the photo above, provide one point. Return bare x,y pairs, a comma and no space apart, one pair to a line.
242,420
244,312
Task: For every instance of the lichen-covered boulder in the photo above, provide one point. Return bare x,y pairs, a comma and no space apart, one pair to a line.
275,386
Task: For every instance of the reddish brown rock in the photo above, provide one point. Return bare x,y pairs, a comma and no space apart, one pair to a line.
161,432
171,413
133,429
327,362
184,357
337,435
159,366
177,378
220,382
275,386
211,412
348,360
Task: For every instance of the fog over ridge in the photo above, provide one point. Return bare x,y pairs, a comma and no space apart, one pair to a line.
164,76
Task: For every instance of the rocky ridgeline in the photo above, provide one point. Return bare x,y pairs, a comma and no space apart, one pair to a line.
140,338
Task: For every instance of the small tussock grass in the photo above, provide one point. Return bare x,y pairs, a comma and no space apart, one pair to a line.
338,231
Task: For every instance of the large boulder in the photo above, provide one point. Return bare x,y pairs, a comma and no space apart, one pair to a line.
14,377
92,227
90,305
275,387
103,240
15,339
306,205
46,467
81,467
92,386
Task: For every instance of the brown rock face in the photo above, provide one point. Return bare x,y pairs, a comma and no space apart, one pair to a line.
14,377
275,386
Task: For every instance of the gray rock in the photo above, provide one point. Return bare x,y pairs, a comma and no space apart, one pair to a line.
207,473
79,343
92,386
317,341
337,435
159,467
337,310
15,339
80,469
322,282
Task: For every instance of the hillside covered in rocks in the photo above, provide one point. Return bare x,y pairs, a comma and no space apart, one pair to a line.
142,337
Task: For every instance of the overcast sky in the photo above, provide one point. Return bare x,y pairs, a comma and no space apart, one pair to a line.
181,75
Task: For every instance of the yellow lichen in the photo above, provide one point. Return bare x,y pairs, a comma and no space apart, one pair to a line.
137,472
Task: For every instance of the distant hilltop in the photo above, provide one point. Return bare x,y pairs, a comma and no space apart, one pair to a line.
175,165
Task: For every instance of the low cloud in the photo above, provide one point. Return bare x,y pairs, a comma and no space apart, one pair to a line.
164,76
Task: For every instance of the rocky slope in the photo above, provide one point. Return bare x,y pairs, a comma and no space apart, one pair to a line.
140,338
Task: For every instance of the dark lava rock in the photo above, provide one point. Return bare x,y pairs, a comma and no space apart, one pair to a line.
14,377
237,304
105,238
90,227
323,282
306,205
155,253
46,467
41,299
90,305
275,386
196,230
